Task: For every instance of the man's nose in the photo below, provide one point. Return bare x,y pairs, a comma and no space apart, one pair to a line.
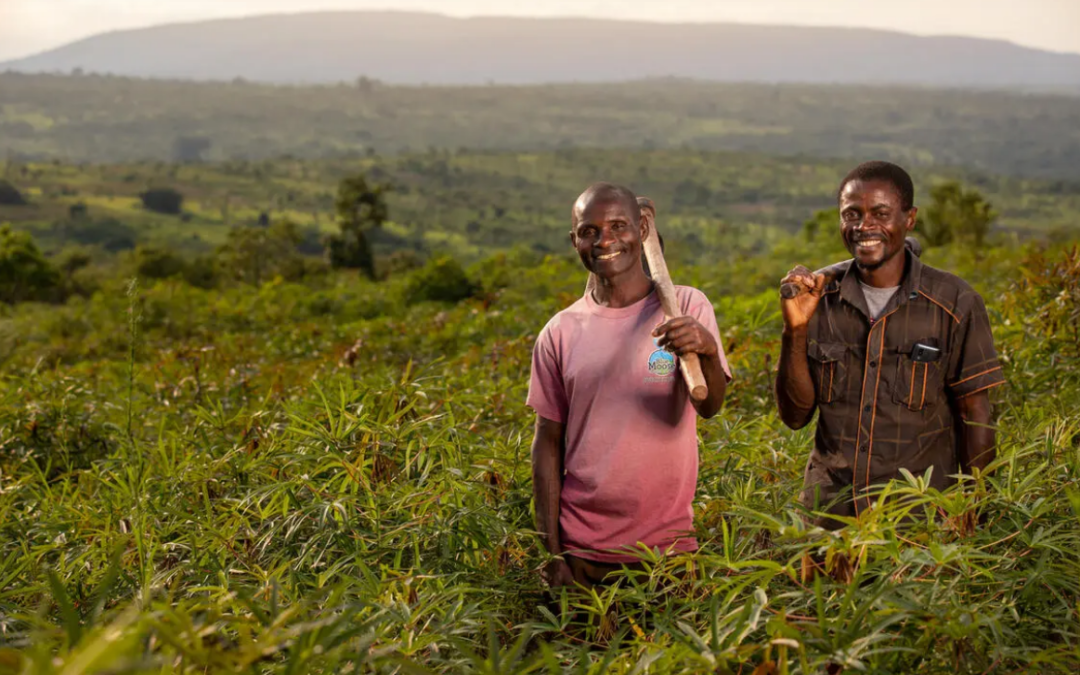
607,237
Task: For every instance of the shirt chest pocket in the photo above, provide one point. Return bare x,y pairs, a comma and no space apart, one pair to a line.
920,374
829,366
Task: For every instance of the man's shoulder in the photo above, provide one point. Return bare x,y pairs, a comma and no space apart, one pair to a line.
835,274
949,291
689,296
570,316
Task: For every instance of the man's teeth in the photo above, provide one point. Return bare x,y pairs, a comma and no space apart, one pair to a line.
869,244
608,256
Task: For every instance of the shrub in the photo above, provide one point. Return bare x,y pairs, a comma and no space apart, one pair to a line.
442,279
108,233
154,263
25,274
10,196
163,200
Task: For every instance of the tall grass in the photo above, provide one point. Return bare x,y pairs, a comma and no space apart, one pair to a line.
284,510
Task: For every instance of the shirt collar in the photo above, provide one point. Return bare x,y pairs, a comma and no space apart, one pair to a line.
909,286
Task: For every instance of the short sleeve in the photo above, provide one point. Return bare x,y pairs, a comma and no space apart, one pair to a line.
547,392
975,366
701,309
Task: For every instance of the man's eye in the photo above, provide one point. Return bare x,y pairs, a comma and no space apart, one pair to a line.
618,226
850,215
881,214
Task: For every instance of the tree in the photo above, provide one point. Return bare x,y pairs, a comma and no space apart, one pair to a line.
956,214
151,262
254,254
359,208
71,260
10,196
109,233
78,211
442,279
163,200
25,274
822,238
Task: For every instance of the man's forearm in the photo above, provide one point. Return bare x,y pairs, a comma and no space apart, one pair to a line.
976,436
547,490
716,380
794,387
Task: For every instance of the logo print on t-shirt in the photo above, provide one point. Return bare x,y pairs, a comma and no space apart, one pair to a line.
661,363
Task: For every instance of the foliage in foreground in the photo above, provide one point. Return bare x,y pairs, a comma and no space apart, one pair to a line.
287,479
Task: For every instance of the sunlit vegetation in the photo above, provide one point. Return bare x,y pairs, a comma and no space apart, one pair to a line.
219,452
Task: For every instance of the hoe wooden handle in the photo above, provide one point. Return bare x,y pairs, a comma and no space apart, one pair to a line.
689,364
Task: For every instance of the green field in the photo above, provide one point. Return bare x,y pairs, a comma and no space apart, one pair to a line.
208,481
113,119
218,454
715,205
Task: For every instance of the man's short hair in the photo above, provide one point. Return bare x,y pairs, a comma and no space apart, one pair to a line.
883,171
613,191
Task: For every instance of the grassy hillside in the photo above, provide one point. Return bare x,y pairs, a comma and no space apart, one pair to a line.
107,119
325,478
210,469
713,206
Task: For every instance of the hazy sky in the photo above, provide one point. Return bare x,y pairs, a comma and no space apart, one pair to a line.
28,26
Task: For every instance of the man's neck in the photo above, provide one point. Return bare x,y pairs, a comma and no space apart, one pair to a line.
617,292
889,275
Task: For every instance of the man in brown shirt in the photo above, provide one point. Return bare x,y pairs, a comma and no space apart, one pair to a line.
895,355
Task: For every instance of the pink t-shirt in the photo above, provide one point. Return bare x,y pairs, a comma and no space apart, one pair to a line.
631,430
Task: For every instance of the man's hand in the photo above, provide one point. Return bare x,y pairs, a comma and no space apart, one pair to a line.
557,574
798,310
686,335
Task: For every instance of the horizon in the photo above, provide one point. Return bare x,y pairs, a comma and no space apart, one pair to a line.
40,30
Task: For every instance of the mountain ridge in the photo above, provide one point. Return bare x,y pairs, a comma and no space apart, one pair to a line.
425,48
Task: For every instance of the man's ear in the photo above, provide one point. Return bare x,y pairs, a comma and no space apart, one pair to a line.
645,224
912,216
573,239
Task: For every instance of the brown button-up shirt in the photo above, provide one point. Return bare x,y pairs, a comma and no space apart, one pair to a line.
884,403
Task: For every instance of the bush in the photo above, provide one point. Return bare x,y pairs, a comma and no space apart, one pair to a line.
109,233
155,263
163,200
10,196
256,254
398,262
442,279
25,274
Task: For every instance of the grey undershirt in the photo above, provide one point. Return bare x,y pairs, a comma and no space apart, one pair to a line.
877,298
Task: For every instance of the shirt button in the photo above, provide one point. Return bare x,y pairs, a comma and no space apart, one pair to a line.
873,364
867,409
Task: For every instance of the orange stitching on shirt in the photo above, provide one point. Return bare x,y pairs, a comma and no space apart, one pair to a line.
957,320
832,372
911,390
989,386
925,368
969,379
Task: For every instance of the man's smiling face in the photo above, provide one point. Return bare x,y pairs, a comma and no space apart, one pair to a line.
607,235
873,222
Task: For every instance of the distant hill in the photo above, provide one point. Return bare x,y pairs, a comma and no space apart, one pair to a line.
415,48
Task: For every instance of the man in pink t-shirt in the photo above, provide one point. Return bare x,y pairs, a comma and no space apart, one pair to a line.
615,452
